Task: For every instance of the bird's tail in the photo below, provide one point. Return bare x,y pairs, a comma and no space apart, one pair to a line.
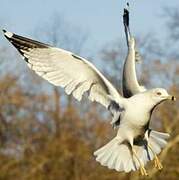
118,156
115,155
157,140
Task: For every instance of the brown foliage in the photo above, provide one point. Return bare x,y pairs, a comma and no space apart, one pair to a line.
41,141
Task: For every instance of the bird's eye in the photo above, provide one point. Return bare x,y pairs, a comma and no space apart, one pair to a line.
159,93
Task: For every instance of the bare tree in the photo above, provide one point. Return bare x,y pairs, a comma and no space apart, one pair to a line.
59,33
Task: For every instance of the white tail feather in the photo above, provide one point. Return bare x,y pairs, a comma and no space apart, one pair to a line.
118,156
157,140
115,156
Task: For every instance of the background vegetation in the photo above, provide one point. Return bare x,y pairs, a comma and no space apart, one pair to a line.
45,135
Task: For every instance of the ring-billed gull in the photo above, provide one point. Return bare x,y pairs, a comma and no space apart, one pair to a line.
128,150
130,85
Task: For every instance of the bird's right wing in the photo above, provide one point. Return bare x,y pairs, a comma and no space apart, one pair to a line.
63,68
130,84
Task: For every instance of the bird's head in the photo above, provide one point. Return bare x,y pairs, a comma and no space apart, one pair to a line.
158,95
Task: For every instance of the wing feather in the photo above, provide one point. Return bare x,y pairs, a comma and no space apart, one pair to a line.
130,82
63,68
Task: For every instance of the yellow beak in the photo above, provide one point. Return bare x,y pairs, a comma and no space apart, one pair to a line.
173,98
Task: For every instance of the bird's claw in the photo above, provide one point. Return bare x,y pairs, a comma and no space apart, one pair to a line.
143,171
157,163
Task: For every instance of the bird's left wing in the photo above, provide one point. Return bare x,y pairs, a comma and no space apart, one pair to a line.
63,68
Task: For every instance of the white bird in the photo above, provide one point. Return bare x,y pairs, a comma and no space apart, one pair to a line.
133,145
130,85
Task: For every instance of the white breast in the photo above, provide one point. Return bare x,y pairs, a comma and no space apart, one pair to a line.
137,112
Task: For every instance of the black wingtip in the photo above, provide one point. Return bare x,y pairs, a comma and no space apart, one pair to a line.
7,34
126,17
4,31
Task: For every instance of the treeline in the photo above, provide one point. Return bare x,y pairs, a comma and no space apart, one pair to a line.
40,140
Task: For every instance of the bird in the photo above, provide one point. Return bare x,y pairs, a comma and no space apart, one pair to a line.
130,84
134,144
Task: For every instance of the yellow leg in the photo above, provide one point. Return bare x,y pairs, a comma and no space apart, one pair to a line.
157,162
142,168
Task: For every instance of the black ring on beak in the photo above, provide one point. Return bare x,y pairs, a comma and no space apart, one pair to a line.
173,98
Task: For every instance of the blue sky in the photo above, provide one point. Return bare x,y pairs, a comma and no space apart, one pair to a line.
101,19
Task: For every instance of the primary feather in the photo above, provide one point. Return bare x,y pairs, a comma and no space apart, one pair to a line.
63,68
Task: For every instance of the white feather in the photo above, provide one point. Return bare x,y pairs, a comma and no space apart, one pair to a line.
76,74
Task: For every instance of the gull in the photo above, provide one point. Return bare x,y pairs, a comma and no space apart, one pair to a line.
130,85
134,143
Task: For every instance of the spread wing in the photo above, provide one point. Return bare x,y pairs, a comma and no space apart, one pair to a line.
130,84
63,68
